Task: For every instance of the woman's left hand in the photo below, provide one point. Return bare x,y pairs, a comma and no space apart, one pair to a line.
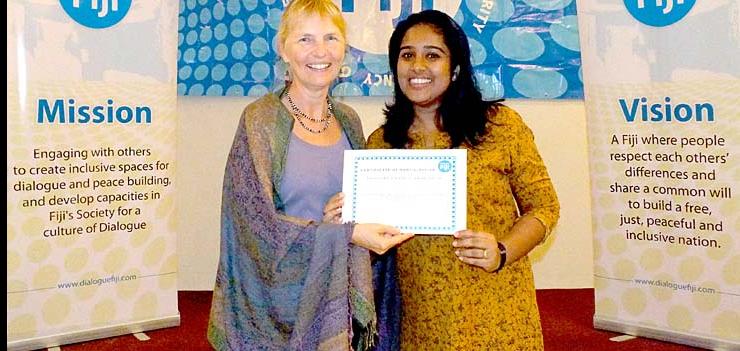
477,249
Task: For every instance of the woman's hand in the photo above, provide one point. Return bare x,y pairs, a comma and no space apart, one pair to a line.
477,249
378,238
333,209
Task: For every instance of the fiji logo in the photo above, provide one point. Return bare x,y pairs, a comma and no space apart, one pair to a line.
659,13
96,13
382,16
444,166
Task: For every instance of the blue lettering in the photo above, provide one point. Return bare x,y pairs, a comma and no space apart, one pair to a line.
629,115
120,113
99,116
84,114
57,112
657,113
700,108
144,111
50,115
665,112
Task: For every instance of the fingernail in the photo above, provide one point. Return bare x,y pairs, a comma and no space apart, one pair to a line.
454,243
457,252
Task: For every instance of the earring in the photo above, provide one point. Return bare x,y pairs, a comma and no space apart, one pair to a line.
455,73
286,76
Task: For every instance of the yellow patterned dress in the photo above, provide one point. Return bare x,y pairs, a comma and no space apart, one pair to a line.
449,305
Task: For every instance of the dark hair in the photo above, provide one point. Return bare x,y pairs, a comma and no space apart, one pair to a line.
463,112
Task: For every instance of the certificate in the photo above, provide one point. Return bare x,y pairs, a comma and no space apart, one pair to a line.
417,191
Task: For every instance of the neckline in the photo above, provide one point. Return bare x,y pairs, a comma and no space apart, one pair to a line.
293,136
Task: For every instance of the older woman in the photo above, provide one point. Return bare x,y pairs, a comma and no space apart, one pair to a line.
289,278
473,290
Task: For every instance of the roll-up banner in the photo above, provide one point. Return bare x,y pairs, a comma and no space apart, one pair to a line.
91,150
662,88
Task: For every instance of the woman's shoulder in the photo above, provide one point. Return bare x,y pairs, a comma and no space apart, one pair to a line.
345,111
265,114
344,108
264,107
376,139
504,123
500,114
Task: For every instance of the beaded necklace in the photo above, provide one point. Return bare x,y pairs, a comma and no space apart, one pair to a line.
300,115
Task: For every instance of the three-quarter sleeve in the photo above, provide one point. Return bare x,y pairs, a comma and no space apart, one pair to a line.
530,182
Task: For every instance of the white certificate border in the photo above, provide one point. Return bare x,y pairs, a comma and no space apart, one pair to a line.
450,158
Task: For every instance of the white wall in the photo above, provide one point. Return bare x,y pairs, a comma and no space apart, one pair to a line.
206,129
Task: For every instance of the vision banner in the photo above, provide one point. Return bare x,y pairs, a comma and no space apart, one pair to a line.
662,87
91,156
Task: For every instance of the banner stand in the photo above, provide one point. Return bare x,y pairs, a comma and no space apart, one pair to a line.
93,334
630,328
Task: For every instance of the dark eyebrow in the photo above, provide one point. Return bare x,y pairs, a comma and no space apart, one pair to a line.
433,47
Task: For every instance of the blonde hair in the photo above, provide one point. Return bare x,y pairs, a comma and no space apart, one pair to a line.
301,8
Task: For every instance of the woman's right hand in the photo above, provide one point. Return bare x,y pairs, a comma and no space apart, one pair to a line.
378,238
333,209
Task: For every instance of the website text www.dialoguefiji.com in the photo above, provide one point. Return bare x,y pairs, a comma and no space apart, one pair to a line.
675,286
113,279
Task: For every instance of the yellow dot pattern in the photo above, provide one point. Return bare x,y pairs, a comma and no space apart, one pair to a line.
707,302
103,312
679,318
14,261
690,269
616,244
634,301
114,260
16,299
76,260
22,327
146,306
725,325
651,260
607,307
56,309
731,272
38,251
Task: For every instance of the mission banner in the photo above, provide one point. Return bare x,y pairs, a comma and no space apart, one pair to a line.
90,171
662,82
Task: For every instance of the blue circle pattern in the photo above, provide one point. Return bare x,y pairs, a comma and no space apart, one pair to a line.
224,46
237,28
250,5
191,38
204,54
565,33
205,35
220,31
239,50
525,49
517,44
256,23
259,47
205,15
477,52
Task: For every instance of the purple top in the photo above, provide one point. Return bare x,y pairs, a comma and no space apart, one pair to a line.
312,175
